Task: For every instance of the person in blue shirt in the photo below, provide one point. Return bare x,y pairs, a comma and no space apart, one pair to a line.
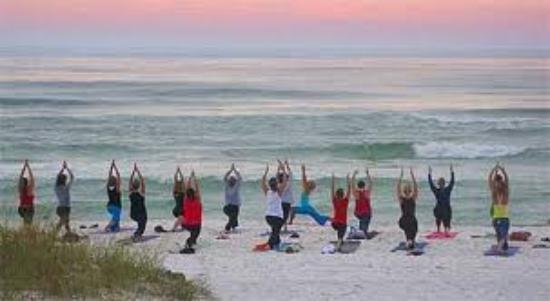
304,207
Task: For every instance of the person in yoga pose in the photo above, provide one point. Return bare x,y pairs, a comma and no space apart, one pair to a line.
274,209
407,195
62,192
340,202
192,213
287,197
26,192
178,193
500,192
442,193
232,180
114,205
362,192
304,206
138,211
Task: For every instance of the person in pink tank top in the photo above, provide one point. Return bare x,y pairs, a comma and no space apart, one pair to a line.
362,192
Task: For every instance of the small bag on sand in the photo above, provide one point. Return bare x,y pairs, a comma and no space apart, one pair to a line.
520,236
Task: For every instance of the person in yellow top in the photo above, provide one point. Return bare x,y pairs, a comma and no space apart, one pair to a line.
500,192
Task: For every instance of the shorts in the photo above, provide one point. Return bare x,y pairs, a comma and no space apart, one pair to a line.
502,226
63,212
340,229
443,213
26,213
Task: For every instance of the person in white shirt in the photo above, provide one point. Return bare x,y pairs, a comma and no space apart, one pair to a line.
274,211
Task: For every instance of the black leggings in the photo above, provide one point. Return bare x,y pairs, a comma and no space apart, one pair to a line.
141,220
63,212
409,224
276,223
364,221
286,211
232,212
341,230
177,212
195,231
443,214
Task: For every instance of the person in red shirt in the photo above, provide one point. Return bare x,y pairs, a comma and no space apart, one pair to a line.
362,192
340,202
26,194
192,213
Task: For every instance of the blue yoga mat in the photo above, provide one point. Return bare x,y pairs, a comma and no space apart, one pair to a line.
512,250
402,246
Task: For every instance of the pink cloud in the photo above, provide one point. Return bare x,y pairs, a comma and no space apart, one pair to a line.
397,17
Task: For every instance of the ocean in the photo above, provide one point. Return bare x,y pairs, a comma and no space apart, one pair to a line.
334,114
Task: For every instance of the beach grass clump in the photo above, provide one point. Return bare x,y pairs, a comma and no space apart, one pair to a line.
34,263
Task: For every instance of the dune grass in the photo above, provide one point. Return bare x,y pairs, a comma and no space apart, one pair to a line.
33,262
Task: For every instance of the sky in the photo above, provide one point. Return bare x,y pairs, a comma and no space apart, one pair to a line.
257,23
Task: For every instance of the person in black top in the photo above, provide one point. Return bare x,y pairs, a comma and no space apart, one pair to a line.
114,206
442,210
407,195
138,212
178,192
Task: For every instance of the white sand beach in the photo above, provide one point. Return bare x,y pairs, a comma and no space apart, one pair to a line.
449,270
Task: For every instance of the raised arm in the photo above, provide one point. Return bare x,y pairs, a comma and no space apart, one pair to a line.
31,176
304,177
504,174
117,176
191,180
176,178
141,179
264,180
71,175
197,186
369,180
415,185
348,183
109,173
506,186
228,173
131,181
491,177
63,167
22,174
452,182
353,185
280,167
398,186
237,173
332,187
430,179
288,170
